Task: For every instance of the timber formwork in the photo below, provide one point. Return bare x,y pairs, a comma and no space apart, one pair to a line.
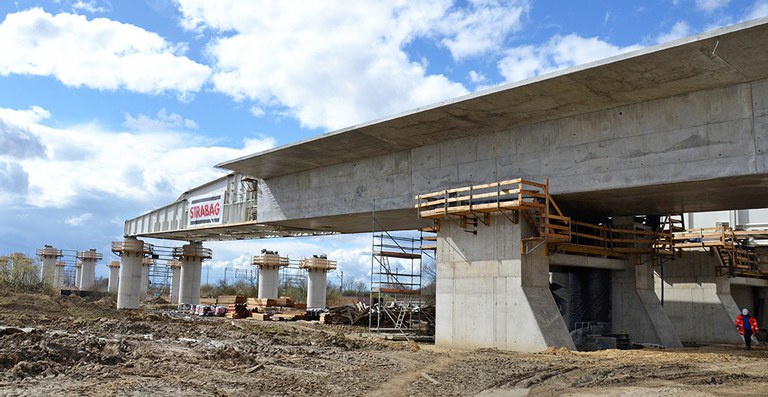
530,201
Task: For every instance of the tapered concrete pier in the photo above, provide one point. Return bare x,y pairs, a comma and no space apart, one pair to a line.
191,257
88,261
269,264
317,279
48,256
132,252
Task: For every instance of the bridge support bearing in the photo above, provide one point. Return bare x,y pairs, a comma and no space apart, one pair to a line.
491,295
697,301
636,310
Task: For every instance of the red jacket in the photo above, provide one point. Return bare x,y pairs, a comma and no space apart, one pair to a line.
740,324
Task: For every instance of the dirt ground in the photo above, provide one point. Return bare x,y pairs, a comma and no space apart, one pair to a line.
67,346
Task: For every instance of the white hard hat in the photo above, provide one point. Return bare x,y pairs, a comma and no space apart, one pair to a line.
744,311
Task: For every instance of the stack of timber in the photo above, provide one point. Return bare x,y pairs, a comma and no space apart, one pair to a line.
225,300
356,314
238,310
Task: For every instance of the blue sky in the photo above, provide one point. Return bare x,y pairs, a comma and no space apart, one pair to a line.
111,108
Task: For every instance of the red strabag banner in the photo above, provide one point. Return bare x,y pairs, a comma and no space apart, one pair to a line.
206,209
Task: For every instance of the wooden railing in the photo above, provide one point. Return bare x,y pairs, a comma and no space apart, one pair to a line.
531,201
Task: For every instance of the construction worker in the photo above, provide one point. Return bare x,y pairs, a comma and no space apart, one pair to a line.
747,325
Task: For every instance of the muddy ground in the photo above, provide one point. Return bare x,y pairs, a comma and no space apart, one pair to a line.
75,347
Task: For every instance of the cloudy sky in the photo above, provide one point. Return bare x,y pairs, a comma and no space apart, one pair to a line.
109,108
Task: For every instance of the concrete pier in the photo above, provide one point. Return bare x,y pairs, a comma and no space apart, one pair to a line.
60,276
78,274
175,280
269,264
490,295
88,261
146,263
132,252
191,257
637,310
48,257
317,279
697,301
114,276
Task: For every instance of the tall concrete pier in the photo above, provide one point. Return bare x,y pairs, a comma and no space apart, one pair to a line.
269,264
60,276
132,252
191,257
78,274
146,263
317,279
114,276
88,261
175,280
48,256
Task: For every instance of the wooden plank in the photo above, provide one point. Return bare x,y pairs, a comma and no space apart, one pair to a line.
403,255
399,291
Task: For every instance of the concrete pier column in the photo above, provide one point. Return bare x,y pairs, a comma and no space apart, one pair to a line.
146,263
48,257
191,256
132,252
492,295
59,277
317,279
114,276
697,301
175,280
636,310
78,274
269,264
88,261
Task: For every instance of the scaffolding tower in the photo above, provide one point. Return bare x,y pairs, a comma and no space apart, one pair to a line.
395,282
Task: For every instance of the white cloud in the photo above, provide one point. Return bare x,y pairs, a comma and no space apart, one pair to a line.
163,122
149,167
79,220
476,77
711,5
758,10
98,53
332,64
90,6
257,111
482,26
559,52
679,30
